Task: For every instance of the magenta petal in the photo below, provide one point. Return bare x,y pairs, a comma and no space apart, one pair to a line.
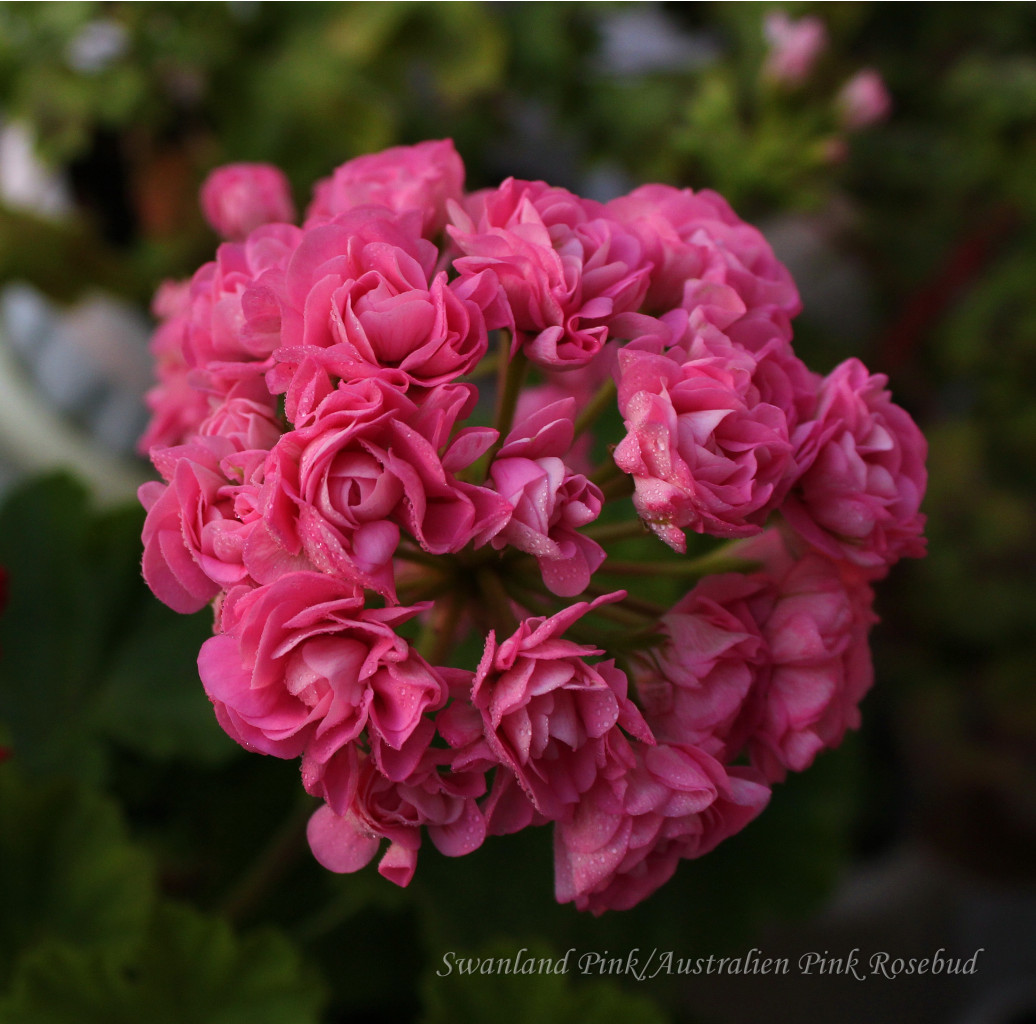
339,843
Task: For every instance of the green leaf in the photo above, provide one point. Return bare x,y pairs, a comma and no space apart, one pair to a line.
50,632
189,967
152,701
67,871
89,655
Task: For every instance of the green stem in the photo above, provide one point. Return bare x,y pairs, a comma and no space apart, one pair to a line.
714,562
604,397
446,621
606,472
509,379
409,554
604,533
498,601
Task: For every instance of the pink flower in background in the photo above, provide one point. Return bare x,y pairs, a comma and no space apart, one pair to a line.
429,424
794,47
238,198
864,100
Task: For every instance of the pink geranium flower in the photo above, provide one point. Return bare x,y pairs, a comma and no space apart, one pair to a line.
194,536
238,198
368,463
795,45
361,298
563,268
406,179
619,845
176,406
862,474
234,323
549,503
330,484
816,636
303,665
702,256
698,687
706,449
552,719
443,804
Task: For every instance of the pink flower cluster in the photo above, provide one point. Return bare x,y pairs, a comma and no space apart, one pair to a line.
372,436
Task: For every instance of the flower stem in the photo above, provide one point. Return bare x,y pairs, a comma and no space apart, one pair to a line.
443,630
604,397
410,554
510,376
603,533
606,472
714,562
498,601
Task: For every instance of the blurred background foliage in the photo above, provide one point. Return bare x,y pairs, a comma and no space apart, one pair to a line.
151,870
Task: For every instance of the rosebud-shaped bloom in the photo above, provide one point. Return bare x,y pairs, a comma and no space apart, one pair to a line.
443,803
619,845
236,310
421,179
302,665
549,716
706,450
549,502
820,664
862,474
794,47
193,536
863,100
176,406
697,688
238,198
564,269
361,299
368,462
247,418
703,257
